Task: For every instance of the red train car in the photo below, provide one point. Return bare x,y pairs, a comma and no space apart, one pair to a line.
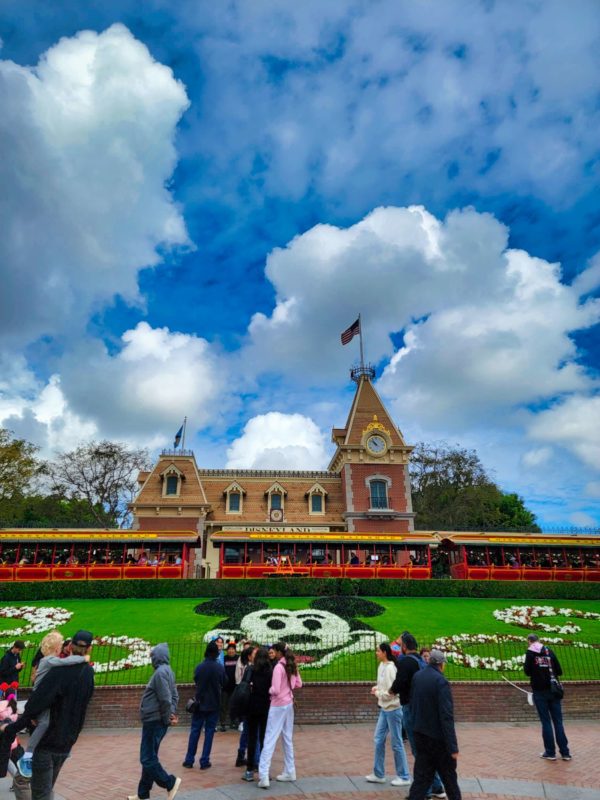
92,554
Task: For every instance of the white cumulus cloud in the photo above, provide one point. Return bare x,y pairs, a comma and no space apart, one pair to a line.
278,441
87,140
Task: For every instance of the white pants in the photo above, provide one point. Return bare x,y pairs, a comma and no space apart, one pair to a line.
280,722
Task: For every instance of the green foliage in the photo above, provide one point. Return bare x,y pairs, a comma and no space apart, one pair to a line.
452,491
18,466
52,511
298,587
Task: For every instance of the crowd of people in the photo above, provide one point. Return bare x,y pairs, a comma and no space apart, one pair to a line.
249,688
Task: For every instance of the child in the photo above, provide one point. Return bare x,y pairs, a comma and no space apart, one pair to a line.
51,648
8,713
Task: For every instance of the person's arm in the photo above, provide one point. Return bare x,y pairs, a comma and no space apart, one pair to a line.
276,680
382,691
68,661
404,672
296,681
41,698
528,665
446,716
163,689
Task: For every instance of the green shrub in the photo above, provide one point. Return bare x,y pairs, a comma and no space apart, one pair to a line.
297,587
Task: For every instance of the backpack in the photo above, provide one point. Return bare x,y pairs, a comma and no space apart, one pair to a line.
240,699
418,659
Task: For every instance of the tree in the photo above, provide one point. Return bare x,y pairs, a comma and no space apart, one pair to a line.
46,511
452,491
104,475
19,466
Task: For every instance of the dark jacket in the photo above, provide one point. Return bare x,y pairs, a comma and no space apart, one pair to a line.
66,692
160,696
209,677
260,700
537,667
406,666
8,667
432,707
230,664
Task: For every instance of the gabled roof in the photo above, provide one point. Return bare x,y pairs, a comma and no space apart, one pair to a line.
366,406
192,493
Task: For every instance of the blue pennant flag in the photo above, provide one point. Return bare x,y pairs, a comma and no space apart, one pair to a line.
178,436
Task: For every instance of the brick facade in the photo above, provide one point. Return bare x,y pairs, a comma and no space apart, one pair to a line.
329,703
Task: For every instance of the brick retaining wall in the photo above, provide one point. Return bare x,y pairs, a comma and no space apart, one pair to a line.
117,706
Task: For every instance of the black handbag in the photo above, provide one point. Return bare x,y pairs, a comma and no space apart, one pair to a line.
191,706
556,687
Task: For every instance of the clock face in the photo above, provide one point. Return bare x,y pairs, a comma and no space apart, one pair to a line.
276,515
376,444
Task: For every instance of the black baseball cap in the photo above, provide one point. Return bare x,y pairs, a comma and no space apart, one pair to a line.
82,639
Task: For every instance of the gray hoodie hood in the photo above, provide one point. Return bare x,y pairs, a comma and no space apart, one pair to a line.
160,654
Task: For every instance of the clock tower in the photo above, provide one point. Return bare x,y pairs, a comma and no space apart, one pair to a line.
372,459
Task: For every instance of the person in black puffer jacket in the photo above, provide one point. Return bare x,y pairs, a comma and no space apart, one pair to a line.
258,709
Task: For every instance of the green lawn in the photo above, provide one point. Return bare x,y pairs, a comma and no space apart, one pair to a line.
174,621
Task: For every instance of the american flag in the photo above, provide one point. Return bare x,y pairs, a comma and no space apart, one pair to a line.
351,332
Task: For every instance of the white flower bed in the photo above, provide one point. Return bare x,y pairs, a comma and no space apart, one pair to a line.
139,653
524,617
39,620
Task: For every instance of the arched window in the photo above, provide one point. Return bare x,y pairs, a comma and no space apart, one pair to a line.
172,487
234,498
379,497
234,501
316,499
276,499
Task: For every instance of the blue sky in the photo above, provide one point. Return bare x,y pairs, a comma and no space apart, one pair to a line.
198,197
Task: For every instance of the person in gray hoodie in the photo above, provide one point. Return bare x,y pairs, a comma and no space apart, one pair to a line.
158,711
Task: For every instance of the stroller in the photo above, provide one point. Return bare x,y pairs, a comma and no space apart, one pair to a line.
11,753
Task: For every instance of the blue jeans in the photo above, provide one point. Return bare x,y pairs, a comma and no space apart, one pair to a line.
408,722
392,721
550,713
152,771
207,720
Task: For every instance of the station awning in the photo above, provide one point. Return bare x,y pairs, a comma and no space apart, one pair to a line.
93,535
307,537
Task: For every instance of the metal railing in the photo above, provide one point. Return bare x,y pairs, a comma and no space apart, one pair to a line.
346,659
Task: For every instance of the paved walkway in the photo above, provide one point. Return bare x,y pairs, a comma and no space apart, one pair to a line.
496,761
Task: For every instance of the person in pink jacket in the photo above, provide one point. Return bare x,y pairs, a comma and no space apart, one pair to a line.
280,721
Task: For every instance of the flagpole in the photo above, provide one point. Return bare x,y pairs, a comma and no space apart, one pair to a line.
183,437
362,356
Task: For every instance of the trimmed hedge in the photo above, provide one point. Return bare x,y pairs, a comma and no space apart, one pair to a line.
297,587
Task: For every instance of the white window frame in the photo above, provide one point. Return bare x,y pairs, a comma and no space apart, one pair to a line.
234,488
317,489
276,488
388,485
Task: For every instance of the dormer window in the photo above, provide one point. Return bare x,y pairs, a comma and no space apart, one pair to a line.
276,498
172,479
316,499
234,498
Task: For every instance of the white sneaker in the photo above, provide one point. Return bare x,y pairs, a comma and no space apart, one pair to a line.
263,783
175,789
372,778
397,781
287,776
132,797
